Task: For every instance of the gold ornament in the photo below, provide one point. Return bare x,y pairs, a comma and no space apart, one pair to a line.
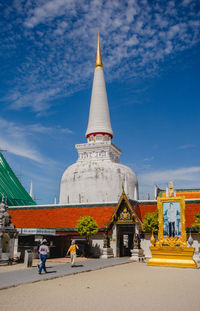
152,240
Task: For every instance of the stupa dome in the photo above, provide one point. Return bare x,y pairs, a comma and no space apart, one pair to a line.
97,181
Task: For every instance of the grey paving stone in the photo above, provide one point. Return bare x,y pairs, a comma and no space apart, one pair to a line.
30,275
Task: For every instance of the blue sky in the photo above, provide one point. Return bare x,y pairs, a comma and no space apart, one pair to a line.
150,52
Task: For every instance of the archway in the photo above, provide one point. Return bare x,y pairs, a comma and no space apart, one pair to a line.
125,236
124,223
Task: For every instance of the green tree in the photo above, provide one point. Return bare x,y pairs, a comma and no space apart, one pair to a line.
87,226
150,223
196,224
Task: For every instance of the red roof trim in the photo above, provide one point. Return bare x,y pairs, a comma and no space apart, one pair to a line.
99,133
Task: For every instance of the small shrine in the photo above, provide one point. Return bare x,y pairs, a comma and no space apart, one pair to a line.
8,233
171,247
124,225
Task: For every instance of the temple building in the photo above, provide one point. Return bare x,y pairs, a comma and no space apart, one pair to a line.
97,185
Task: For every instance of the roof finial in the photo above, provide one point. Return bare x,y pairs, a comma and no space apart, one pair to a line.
99,63
31,190
123,188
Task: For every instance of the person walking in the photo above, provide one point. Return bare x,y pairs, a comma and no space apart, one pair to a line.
43,251
38,247
72,250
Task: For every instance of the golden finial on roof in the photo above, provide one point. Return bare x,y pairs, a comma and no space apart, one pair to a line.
171,191
99,63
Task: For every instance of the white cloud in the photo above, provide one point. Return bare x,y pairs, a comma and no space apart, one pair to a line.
20,148
186,2
181,174
149,159
132,41
62,35
187,178
48,10
186,146
15,138
36,100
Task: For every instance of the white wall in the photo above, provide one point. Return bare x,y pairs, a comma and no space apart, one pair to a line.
196,245
145,244
113,242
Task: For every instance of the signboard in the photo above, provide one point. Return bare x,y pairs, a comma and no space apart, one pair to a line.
32,231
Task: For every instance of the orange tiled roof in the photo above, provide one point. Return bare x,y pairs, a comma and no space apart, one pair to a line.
190,210
137,210
59,217
67,217
187,195
147,208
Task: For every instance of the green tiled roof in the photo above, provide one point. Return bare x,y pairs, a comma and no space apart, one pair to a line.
11,188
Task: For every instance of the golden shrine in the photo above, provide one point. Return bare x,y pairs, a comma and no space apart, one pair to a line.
171,247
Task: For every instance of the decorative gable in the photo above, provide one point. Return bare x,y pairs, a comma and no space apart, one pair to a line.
124,213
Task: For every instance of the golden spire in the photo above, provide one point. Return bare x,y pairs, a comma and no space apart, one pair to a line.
99,63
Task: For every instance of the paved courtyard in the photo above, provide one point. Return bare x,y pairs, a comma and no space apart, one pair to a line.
18,274
132,286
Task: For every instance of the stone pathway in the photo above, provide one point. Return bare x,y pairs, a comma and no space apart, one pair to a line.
30,275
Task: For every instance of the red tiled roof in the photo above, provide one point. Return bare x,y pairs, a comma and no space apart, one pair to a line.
59,217
67,217
190,210
188,194
147,208
137,210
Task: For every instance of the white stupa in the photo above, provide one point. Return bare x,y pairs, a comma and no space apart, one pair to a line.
97,176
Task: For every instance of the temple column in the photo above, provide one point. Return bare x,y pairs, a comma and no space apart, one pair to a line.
16,247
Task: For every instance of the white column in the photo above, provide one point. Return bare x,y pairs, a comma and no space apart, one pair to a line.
15,251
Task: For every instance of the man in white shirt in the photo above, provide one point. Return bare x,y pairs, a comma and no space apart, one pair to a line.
43,251
171,217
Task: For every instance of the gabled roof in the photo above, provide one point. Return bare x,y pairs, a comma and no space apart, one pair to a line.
131,207
11,188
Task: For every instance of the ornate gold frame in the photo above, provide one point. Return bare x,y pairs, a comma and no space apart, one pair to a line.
171,241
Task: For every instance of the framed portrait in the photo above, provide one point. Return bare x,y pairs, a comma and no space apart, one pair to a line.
171,217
